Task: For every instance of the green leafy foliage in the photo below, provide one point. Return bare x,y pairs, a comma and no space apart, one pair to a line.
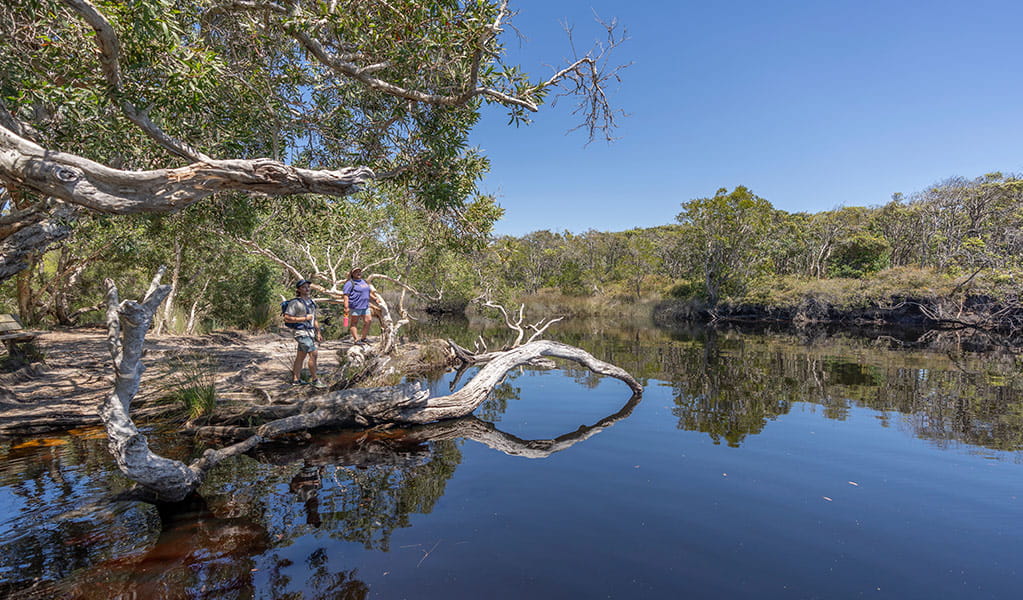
860,255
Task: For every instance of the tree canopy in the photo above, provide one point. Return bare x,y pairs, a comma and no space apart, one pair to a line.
151,105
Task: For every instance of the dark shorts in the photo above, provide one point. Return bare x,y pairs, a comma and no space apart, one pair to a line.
306,343
358,312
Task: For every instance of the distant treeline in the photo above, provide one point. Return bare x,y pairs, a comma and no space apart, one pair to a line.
736,247
231,261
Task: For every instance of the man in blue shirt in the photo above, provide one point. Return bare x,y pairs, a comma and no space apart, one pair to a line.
358,293
300,315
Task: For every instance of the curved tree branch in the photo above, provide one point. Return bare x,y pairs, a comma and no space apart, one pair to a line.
87,183
489,435
127,323
16,247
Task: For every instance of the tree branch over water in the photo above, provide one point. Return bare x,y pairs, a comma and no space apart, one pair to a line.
405,404
344,93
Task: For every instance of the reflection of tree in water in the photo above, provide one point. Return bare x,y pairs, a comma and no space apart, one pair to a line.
233,542
367,504
497,402
946,387
351,486
42,536
201,555
725,392
730,386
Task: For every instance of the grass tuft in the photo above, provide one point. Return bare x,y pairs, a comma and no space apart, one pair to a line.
191,382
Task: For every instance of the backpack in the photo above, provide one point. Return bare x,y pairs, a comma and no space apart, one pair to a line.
284,309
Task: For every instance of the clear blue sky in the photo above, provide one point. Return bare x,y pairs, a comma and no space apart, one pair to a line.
812,105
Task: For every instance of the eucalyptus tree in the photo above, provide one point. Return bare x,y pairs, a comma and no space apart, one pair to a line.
726,235
971,223
641,259
151,105
899,222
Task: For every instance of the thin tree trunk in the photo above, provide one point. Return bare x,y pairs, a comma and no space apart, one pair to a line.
193,312
168,307
26,302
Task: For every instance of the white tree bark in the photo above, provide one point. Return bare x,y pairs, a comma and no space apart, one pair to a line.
127,323
80,181
404,404
16,247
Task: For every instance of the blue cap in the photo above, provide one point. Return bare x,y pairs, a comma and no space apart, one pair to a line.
302,282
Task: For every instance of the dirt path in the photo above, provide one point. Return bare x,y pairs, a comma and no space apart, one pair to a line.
65,390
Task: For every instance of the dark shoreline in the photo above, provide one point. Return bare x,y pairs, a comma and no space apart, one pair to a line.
978,323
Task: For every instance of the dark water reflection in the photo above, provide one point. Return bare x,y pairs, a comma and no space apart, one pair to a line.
729,384
756,465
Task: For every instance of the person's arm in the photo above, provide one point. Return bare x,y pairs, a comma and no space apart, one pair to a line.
290,318
299,319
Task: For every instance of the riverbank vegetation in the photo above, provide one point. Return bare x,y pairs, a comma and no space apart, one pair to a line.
951,252
369,166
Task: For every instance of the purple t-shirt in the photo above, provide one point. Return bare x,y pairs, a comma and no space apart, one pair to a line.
357,291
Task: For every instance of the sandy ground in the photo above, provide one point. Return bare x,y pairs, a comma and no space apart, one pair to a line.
65,390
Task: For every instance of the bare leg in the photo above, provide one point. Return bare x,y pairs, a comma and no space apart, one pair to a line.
367,320
312,365
296,369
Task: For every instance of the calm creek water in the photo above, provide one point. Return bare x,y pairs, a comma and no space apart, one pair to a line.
756,465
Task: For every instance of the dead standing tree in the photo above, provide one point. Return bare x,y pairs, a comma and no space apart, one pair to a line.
328,277
407,404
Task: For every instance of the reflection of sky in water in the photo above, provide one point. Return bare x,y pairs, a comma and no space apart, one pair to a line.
840,482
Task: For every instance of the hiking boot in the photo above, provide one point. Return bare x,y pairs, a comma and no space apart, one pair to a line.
318,384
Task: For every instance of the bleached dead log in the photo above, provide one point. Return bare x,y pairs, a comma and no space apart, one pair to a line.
405,404
127,324
408,446
409,404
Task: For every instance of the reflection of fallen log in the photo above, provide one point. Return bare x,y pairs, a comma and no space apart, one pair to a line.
406,404
489,435
396,447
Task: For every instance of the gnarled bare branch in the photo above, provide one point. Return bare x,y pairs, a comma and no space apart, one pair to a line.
80,181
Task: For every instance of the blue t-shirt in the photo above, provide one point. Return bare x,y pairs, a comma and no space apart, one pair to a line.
357,291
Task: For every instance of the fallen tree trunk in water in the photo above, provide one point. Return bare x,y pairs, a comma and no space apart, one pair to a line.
406,404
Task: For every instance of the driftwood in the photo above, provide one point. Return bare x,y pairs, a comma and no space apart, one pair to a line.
406,404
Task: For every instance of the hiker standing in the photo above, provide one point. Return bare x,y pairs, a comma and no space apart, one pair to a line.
300,314
358,294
